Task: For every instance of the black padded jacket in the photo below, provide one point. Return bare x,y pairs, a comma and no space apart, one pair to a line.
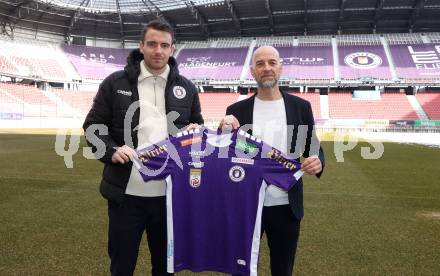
113,119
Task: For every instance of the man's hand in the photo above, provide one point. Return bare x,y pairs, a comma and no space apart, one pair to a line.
311,165
229,122
123,155
192,126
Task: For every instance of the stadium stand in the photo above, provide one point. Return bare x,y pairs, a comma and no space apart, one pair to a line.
32,101
391,106
214,104
6,66
279,41
417,61
212,63
314,99
96,63
82,101
24,62
317,40
310,62
306,60
363,61
398,39
430,103
359,39
27,100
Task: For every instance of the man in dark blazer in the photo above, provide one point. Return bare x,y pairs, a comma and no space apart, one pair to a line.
286,122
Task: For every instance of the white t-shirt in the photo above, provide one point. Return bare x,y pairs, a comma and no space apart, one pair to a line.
270,125
152,128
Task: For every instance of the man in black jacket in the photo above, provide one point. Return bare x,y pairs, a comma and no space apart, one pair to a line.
286,122
130,111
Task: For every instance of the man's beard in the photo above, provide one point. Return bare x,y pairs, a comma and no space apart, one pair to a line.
267,84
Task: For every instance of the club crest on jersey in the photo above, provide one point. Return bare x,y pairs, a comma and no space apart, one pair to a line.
179,92
236,173
195,177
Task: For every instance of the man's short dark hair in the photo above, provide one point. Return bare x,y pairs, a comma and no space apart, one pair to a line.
160,25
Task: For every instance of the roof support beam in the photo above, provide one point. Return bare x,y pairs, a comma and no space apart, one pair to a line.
269,16
417,7
7,28
10,23
42,13
234,16
305,17
341,15
74,18
159,13
18,6
200,19
378,10
121,23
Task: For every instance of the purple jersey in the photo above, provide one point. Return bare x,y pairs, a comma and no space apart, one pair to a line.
215,191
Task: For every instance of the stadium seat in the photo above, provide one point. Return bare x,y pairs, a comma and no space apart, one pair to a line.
430,103
391,106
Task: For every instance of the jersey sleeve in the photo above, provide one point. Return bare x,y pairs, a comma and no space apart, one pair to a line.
280,169
156,161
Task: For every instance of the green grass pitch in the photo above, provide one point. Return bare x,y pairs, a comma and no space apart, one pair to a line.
364,217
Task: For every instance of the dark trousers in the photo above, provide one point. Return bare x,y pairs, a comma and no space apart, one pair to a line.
127,223
282,232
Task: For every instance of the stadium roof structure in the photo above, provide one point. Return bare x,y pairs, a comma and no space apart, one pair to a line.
202,19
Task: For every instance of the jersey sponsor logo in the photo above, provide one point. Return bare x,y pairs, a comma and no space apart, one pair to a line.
276,155
197,153
125,93
236,173
242,160
179,92
196,164
145,157
190,141
195,177
246,147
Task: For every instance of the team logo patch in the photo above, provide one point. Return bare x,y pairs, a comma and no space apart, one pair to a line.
242,160
236,173
179,92
363,60
195,177
190,141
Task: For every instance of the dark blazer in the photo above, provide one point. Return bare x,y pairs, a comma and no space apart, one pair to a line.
304,143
